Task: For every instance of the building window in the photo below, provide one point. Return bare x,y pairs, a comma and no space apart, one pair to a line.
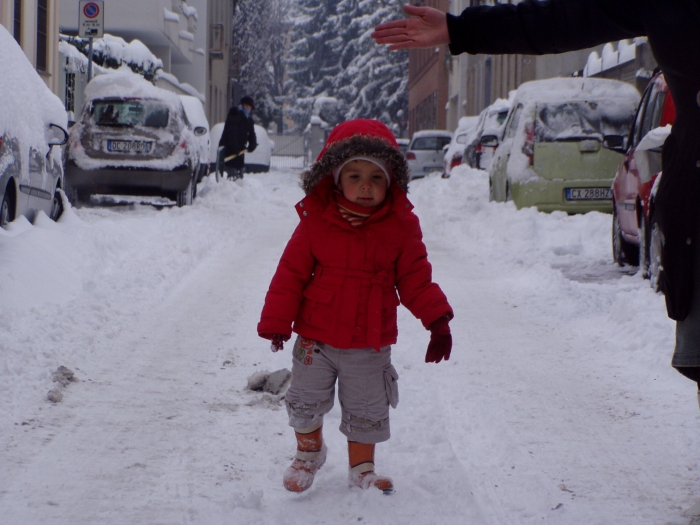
42,29
18,21
70,91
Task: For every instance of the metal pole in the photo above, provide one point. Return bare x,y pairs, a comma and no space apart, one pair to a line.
90,61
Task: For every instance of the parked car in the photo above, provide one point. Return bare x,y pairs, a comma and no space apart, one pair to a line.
491,135
403,145
491,118
453,152
636,238
555,153
132,138
33,122
197,119
425,152
259,160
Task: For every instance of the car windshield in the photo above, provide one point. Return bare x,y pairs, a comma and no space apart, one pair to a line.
130,113
430,143
583,119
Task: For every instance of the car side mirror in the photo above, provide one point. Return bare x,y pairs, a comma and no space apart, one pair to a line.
200,130
56,135
490,141
615,143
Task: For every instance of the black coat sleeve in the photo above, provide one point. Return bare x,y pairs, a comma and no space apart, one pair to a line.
537,27
252,138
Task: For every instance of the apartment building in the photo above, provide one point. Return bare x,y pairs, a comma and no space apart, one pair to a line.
34,24
428,75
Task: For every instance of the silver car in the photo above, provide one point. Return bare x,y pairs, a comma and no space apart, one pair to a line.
139,142
426,152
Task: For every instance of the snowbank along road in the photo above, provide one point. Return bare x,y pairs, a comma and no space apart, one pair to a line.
558,404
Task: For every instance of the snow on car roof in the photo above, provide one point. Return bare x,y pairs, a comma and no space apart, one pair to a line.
555,89
432,133
27,106
124,83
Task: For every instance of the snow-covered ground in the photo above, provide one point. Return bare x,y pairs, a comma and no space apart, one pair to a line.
558,405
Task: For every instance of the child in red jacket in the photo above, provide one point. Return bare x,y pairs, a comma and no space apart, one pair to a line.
358,243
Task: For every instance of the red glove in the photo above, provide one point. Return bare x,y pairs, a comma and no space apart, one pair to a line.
277,341
440,344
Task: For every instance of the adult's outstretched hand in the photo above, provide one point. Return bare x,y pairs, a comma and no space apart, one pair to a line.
426,27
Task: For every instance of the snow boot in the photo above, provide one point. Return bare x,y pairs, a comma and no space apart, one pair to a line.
311,455
362,468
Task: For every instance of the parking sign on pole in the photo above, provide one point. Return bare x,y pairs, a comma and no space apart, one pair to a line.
92,18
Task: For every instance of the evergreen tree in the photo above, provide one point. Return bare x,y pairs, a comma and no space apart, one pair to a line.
314,61
333,55
259,36
374,81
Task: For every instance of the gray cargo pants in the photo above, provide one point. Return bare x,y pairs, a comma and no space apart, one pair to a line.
367,386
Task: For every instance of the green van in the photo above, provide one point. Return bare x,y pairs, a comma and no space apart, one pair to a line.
557,148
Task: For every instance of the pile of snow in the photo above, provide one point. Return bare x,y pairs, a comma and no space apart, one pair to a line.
134,52
123,83
27,106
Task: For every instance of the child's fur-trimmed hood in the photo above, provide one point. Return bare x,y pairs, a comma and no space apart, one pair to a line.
354,138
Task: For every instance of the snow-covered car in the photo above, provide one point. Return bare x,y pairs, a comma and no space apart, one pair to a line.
198,119
453,153
403,145
636,237
132,138
32,122
556,152
426,151
482,142
259,160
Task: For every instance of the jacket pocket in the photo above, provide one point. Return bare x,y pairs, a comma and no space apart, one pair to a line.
315,308
391,383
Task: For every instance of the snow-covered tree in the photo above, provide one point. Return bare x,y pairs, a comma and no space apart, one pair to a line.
373,82
259,36
314,61
333,55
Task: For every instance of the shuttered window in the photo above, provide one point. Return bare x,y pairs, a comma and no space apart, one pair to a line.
42,29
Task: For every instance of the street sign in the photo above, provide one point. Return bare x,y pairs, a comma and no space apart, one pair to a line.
92,19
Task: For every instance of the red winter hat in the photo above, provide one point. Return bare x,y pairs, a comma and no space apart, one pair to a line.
360,126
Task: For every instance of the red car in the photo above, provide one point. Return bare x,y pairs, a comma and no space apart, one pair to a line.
635,236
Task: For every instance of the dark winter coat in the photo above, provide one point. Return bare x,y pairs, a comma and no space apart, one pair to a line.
337,283
673,29
238,134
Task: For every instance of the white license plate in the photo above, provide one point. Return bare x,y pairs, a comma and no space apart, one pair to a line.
588,194
430,169
128,146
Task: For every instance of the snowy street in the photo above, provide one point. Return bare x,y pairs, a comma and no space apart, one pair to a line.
558,405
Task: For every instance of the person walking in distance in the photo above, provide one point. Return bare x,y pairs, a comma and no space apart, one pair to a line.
357,244
238,137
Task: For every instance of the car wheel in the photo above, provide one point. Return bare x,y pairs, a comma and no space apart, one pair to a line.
656,242
623,251
56,205
6,209
184,197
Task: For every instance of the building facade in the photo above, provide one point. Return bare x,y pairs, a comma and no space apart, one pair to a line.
428,77
219,59
34,24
